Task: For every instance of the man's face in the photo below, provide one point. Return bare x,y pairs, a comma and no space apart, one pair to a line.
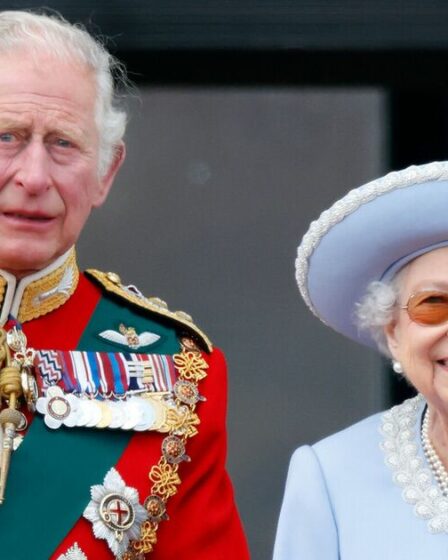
48,159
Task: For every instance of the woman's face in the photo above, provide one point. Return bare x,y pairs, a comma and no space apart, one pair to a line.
422,350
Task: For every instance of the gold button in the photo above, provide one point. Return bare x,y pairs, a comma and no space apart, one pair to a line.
184,316
158,302
114,278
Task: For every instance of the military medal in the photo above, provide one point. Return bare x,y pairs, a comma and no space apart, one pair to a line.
117,413
115,512
58,408
187,392
138,413
91,411
109,390
106,415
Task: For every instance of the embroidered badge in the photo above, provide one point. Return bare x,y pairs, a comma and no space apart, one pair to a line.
115,512
73,553
63,287
127,336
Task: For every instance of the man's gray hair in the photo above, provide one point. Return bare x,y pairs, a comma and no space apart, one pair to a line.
52,34
376,310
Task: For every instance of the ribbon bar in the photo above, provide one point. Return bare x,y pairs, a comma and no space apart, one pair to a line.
104,373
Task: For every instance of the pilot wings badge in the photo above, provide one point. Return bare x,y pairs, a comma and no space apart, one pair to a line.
127,336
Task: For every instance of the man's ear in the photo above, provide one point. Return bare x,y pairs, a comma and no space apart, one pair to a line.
105,182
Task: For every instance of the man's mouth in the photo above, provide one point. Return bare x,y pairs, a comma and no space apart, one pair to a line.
28,217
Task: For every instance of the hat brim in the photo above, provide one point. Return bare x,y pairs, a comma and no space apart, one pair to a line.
373,243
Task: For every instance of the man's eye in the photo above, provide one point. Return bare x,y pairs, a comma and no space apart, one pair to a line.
6,137
63,143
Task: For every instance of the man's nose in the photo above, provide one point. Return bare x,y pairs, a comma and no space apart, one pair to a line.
33,168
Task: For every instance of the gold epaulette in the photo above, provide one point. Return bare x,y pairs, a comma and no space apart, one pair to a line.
111,283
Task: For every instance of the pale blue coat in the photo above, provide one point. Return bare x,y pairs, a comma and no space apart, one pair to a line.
341,503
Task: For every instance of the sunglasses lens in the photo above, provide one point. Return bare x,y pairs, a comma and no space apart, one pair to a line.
428,308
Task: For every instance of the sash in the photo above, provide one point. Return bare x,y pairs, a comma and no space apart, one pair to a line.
44,503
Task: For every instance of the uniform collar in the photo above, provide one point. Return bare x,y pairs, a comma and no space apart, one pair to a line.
39,293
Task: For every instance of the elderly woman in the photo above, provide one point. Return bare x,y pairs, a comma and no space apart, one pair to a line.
375,268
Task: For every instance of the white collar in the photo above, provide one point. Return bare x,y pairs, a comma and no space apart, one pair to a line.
404,456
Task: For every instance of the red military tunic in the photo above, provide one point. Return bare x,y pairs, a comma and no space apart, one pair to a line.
203,521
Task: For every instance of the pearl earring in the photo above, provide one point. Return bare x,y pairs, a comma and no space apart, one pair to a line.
397,367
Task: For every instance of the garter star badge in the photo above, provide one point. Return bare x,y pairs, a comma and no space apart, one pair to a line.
73,553
115,512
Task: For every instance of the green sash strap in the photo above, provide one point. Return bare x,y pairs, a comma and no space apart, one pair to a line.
46,496
45,501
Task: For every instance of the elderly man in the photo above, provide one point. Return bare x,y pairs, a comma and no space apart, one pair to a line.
112,406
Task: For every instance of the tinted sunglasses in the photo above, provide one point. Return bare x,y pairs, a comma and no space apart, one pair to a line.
428,308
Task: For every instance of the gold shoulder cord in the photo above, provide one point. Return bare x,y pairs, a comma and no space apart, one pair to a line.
164,476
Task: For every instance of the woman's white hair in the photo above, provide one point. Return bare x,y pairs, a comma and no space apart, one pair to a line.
39,33
376,310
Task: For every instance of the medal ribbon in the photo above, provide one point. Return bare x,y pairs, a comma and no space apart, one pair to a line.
103,373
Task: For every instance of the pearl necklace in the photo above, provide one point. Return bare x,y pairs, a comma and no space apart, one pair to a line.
436,465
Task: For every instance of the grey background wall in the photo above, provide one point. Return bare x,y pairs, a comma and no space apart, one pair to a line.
218,187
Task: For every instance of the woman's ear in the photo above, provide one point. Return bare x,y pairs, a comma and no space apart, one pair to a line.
391,333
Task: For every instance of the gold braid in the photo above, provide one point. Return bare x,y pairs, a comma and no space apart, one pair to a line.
164,476
10,418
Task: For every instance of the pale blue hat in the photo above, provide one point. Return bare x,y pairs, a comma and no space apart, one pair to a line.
370,234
